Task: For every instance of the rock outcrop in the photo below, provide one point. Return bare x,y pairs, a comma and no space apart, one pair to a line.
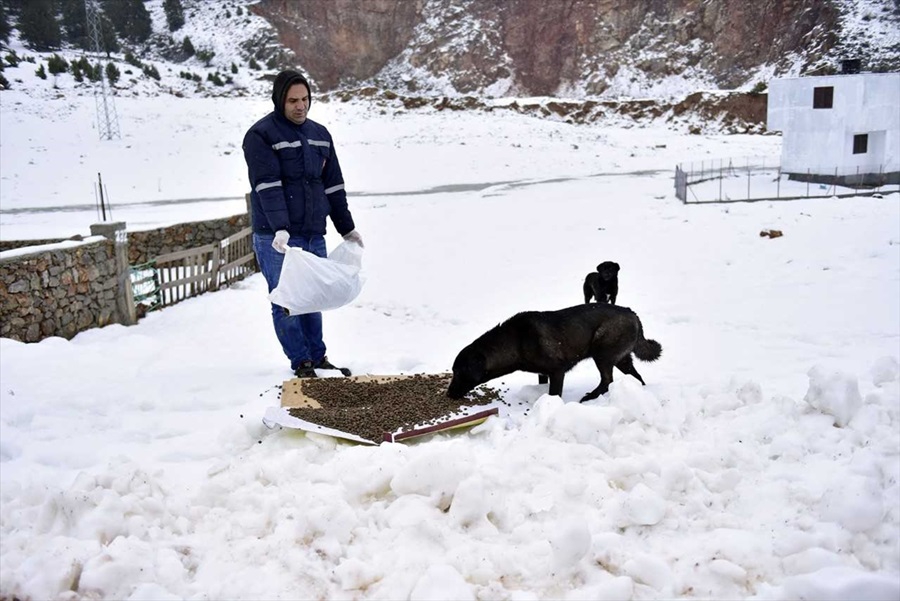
570,47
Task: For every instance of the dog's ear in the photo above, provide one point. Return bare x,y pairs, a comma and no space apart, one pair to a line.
616,266
600,267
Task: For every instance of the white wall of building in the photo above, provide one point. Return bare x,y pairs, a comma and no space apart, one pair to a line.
820,141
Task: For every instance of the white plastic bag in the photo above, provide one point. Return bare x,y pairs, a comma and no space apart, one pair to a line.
309,284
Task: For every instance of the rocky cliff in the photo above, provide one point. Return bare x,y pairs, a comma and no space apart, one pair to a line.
579,47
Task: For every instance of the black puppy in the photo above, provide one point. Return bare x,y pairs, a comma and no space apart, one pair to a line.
552,343
602,284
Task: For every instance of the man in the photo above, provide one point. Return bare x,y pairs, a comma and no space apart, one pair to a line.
295,182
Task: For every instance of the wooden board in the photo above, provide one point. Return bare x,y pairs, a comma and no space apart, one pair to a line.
293,396
466,421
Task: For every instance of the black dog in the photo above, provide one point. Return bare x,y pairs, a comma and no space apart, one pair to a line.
602,284
552,343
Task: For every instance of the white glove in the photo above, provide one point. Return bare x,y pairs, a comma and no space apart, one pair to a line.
280,243
354,237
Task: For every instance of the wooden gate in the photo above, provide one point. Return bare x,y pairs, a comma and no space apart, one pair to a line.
236,254
186,273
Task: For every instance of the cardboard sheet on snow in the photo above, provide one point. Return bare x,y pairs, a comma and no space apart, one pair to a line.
373,409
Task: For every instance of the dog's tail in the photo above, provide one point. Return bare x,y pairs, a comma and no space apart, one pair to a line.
646,349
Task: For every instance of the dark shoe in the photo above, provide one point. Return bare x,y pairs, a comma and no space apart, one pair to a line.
326,364
306,370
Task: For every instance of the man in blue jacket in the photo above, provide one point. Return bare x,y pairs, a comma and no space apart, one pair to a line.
295,182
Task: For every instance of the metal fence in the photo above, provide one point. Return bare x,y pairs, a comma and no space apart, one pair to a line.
747,180
145,286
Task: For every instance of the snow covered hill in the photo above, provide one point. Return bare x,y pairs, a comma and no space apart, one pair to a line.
456,47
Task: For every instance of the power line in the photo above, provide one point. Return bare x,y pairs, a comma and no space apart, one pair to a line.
107,120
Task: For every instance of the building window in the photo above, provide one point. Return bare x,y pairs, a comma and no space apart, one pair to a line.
823,98
860,143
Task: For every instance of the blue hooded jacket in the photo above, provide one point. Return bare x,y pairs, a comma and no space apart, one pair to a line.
295,177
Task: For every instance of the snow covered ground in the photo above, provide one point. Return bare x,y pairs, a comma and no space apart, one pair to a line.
761,461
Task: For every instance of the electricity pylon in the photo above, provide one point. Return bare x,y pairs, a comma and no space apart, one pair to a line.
107,121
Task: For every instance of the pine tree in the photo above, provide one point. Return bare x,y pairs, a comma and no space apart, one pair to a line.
129,18
108,39
38,25
116,11
74,22
188,47
5,27
151,71
174,14
112,73
141,23
81,68
57,64
206,55
132,60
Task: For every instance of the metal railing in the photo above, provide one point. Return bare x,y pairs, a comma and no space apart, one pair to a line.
145,286
748,180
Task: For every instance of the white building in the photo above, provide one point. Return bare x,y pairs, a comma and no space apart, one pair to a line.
838,127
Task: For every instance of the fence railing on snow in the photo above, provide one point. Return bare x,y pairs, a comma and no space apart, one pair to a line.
238,260
747,180
177,276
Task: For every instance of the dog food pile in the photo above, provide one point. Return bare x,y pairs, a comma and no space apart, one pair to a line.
369,409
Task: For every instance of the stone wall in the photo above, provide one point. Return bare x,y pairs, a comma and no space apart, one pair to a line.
14,244
59,292
143,246
60,288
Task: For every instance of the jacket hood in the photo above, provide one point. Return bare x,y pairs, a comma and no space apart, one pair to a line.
283,83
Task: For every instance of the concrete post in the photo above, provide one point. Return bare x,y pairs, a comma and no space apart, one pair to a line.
115,231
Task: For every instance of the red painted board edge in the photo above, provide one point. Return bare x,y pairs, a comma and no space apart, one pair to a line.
391,437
